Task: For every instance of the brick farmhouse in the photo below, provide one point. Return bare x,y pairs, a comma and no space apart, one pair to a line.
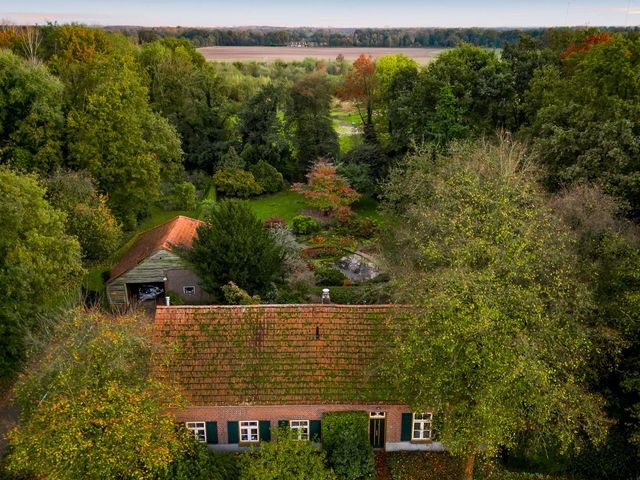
246,370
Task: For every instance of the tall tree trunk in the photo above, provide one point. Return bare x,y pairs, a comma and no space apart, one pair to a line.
469,463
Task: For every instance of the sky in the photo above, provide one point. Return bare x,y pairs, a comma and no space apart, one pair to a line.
325,13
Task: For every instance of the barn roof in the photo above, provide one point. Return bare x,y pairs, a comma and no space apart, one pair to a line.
273,354
179,231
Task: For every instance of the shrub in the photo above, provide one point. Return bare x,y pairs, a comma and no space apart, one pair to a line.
183,196
285,458
327,276
231,161
236,183
197,463
275,222
303,225
423,466
320,252
366,228
325,189
345,438
174,298
269,179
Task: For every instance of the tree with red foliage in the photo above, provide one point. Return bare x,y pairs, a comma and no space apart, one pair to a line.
586,44
326,190
360,85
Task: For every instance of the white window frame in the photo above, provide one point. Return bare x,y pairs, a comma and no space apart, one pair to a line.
246,429
377,415
302,428
184,290
198,430
421,427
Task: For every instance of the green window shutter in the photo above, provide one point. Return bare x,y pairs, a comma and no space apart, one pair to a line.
232,432
283,423
265,430
212,433
314,430
315,433
405,432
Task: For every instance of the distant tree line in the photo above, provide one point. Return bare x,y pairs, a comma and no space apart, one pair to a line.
361,37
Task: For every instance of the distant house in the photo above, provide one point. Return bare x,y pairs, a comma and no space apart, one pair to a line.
245,370
153,262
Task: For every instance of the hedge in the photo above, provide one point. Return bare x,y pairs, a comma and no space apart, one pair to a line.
345,438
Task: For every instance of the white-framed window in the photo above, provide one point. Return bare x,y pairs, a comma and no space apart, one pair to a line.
421,426
377,415
301,427
198,430
190,290
249,431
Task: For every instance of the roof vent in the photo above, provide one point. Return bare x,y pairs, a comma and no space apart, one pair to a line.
167,301
325,296
317,332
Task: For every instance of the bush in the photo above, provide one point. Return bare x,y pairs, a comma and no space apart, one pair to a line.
359,176
236,183
275,222
231,161
197,463
285,458
183,196
303,225
327,276
345,438
366,228
174,298
269,179
423,466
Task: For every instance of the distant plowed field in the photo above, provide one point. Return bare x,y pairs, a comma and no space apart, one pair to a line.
270,54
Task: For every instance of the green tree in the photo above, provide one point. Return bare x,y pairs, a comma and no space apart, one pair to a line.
92,405
500,342
286,458
31,118
309,114
608,247
120,141
39,262
585,117
263,132
234,246
189,93
89,218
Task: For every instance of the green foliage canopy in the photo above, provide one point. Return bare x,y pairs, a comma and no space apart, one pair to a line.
500,343
235,246
39,262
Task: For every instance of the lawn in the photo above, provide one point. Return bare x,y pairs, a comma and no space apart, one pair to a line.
288,204
285,204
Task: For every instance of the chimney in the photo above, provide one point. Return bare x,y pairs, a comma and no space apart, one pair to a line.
325,296
167,301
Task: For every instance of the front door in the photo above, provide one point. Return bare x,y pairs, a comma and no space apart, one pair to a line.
377,429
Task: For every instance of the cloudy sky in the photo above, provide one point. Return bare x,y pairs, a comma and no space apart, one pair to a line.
334,13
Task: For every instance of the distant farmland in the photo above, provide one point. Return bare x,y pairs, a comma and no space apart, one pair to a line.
270,54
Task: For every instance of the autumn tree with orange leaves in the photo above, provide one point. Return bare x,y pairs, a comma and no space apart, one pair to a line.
326,190
360,85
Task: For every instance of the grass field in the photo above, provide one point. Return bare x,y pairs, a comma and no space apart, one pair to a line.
271,54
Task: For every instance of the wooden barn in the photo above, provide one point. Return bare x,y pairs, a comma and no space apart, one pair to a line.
152,262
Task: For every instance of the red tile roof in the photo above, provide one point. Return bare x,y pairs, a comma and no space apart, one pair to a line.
272,354
179,231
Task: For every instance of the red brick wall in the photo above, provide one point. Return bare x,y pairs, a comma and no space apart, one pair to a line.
287,412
